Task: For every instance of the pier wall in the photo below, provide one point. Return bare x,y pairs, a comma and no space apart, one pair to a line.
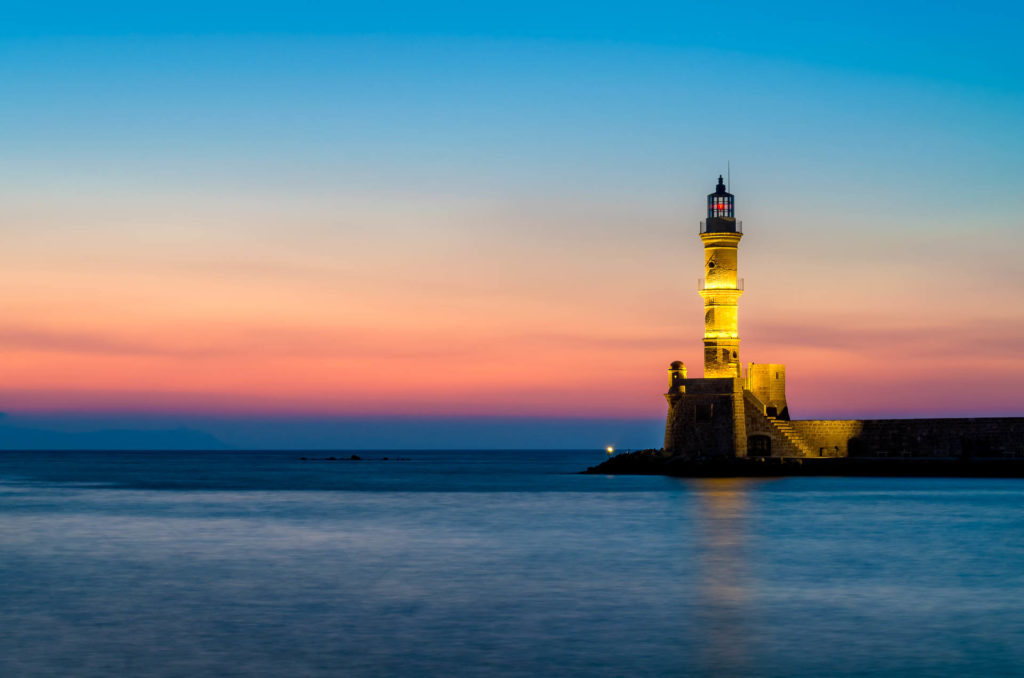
967,437
711,418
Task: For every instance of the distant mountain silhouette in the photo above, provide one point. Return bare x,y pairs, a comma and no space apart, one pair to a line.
17,438
50,431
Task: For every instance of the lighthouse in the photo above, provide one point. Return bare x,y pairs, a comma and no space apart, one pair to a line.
721,286
726,413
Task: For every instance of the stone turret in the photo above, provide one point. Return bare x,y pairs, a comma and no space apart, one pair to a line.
767,381
677,377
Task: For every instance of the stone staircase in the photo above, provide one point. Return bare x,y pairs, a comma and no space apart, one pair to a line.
798,448
794,439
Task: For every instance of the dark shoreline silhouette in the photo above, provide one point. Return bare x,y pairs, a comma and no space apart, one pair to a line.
655,462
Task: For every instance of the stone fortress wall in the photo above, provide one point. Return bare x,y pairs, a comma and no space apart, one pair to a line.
725,418
703,416
969,437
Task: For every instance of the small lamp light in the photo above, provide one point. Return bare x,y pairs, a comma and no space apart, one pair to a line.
610,450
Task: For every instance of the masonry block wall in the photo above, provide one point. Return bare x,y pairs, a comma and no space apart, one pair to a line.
828,438
767,381
969,437
718,417
758,426
706,418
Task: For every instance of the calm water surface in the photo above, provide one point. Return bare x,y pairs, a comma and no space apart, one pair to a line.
496,563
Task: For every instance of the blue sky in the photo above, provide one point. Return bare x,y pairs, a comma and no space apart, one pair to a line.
946,41
182,179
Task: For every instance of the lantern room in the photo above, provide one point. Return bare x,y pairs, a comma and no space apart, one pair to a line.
721,214
720,203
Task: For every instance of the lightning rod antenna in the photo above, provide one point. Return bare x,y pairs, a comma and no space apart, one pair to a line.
728,176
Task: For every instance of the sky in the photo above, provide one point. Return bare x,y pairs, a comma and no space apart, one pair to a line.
313,224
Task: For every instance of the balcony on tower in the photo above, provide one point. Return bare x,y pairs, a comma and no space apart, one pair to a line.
703,284
716,226
721,212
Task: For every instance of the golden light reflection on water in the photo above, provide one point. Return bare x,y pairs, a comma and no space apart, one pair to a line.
722,568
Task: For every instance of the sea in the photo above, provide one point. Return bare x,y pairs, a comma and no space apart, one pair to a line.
496,563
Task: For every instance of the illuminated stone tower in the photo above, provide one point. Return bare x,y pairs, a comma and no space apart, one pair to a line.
721,288
723,414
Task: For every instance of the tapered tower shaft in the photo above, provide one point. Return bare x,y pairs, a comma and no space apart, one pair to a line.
721,286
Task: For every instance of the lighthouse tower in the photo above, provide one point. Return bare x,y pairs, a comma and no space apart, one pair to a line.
721,287
724,414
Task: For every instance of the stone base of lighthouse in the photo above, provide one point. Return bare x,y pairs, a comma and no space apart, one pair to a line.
709,418
733,417
706,418
721,418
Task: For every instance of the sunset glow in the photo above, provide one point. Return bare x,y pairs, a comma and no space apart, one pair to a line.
343,225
